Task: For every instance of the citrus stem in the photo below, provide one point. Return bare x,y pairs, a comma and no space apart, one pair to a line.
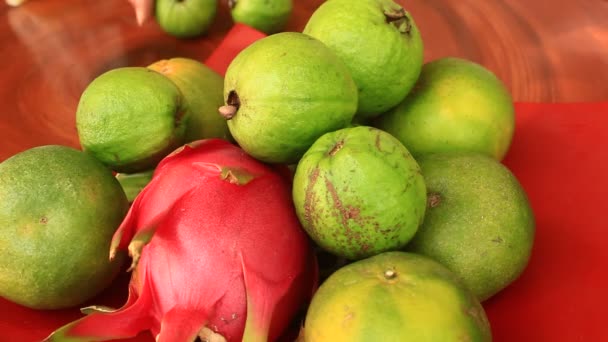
228,111
390,274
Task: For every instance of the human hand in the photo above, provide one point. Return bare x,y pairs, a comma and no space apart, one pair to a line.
144,9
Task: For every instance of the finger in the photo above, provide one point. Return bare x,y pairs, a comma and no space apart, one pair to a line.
143,10
14,3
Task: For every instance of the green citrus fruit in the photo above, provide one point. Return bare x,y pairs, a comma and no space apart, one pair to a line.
185,18
395,297
130,118
59,208
203,92
478,223
269,16
457,105
283,92
358,192
379,42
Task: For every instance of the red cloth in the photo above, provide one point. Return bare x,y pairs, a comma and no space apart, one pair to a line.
238,38
559,155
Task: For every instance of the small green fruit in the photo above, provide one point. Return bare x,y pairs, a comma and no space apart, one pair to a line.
185,18
269,16
358,192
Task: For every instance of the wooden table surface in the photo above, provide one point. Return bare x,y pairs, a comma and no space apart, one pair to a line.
51,49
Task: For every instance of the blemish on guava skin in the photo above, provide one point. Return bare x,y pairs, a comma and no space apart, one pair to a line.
308,197
179,115
337,202
433,200
497,239
337,147
44,220
344,214
378,142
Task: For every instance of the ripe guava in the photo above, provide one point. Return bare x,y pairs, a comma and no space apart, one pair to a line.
358,192
379,43
283,92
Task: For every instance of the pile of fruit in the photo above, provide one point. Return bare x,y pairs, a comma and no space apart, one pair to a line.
331,181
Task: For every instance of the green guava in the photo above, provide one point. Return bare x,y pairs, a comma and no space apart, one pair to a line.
269,16
59,208
203,92
283,92
379,42
478,222
395,296
358,192
185,18
130,118
457,105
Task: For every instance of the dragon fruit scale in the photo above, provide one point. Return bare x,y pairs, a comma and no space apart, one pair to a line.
218,254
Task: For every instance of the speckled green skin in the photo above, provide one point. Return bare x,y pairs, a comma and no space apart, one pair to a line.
269,16
203,93
359,192
185,18
292,89
456,105
130,118
58,210
479,222
384,59
421,301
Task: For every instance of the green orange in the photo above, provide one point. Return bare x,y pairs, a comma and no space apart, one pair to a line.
456,106
478,223
395,297
203,92
129,118
59,208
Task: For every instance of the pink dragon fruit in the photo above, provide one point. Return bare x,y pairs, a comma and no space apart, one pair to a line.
218,253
